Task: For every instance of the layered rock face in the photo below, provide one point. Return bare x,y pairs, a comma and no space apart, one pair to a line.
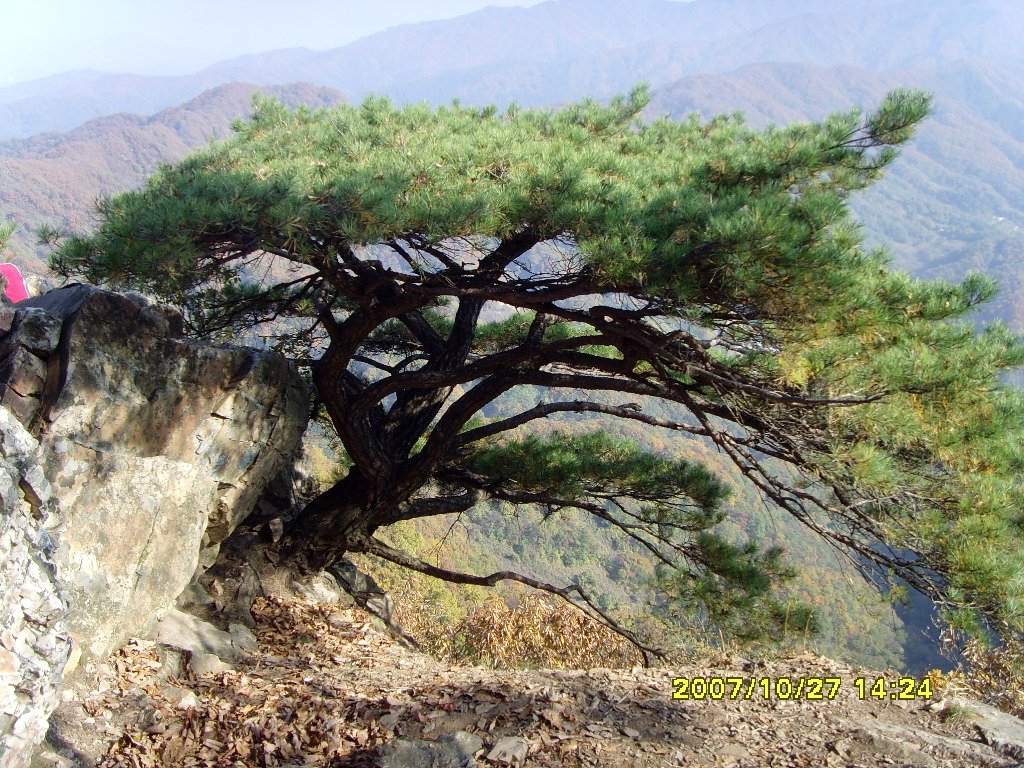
157,447
34,639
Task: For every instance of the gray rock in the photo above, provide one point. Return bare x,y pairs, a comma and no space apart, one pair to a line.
202,663
908,741
185,632
194,595
509,750
52,759
366,592
34,639
735,750
454,751
128,542
40,331
242,637
157,447
179,697
998,729
320,588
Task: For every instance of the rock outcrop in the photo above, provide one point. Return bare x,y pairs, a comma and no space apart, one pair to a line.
34,639
157,446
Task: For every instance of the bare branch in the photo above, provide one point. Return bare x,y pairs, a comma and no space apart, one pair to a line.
439,505
427,378
631,411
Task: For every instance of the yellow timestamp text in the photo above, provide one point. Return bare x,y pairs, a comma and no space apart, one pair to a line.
798,688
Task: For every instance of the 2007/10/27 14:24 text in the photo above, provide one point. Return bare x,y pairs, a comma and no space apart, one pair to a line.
799,688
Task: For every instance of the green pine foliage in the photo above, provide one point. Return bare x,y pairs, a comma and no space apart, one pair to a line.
594,464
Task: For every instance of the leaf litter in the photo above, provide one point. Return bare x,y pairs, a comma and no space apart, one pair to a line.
325,687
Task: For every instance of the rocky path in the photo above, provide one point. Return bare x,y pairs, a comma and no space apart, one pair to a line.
325,688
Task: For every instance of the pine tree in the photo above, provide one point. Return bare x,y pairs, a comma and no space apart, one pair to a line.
636,268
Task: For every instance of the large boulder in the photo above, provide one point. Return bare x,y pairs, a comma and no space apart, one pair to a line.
34,639
157,446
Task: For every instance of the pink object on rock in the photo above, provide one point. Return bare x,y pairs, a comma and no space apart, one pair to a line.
16,288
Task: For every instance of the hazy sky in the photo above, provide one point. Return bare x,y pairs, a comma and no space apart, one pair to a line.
43,37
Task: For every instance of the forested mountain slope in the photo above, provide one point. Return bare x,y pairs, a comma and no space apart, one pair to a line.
952,203
56,178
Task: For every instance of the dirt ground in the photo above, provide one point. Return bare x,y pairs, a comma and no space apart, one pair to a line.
325,688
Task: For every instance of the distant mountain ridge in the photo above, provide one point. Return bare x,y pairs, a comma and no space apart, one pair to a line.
505,54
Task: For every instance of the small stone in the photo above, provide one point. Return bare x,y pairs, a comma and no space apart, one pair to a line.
509,750
74,658
468,743
8,664
202,663
179,697
339,620
242,637
8,699
454,751
734,750
45,645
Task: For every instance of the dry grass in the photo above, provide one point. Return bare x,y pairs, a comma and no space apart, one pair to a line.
539,632
995,674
